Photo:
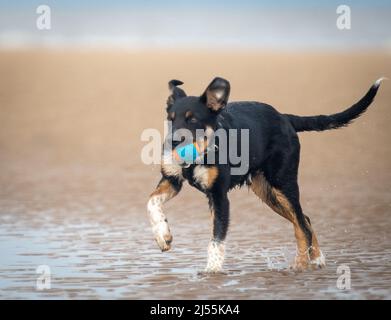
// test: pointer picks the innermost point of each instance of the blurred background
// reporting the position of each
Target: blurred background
(75, 99)
(228, 24)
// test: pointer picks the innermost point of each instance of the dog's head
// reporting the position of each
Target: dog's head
(192, 113)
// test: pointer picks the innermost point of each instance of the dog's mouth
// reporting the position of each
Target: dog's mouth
(188, 149)
(202, 145)
(186, 153)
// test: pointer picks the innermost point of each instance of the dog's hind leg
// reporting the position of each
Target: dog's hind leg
(167, 188)
(286, 203)
(317, 259)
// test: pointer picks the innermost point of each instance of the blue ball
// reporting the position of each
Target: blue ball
(187, 153)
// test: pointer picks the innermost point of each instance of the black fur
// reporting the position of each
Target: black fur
(274, 144)
(335, 121)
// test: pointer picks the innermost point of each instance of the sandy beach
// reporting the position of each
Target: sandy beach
(73, 188)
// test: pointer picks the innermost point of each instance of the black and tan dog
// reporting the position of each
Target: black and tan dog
(274, 153)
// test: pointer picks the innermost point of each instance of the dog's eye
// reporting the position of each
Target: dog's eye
(193, 120)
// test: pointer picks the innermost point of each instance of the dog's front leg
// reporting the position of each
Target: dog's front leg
(167, 188)
(219, 204)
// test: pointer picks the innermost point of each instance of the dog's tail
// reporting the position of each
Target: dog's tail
(337, 120)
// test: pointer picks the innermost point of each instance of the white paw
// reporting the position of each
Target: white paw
(215, 257)
(319, 262)
(300, 263)
(163, 235)
(159, 222)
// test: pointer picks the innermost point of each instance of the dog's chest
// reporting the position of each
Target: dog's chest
(205, 176)
(196, 176)
(200, 176)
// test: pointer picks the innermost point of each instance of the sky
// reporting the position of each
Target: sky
(196, 24)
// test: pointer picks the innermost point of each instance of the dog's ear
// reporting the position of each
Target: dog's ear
(176, 93)
(216, 94)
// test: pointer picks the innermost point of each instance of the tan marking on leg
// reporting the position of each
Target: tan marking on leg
(308, 256)
(274, 198)
(277, 201)
(260, 186)
(164, 187)
(160, 228)
(317, 259)
(302, 251)
(284, 206)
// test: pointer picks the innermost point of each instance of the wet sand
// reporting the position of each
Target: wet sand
(73, 189)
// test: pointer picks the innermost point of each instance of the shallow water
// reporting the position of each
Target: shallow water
(92, 231)
(73, 190)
